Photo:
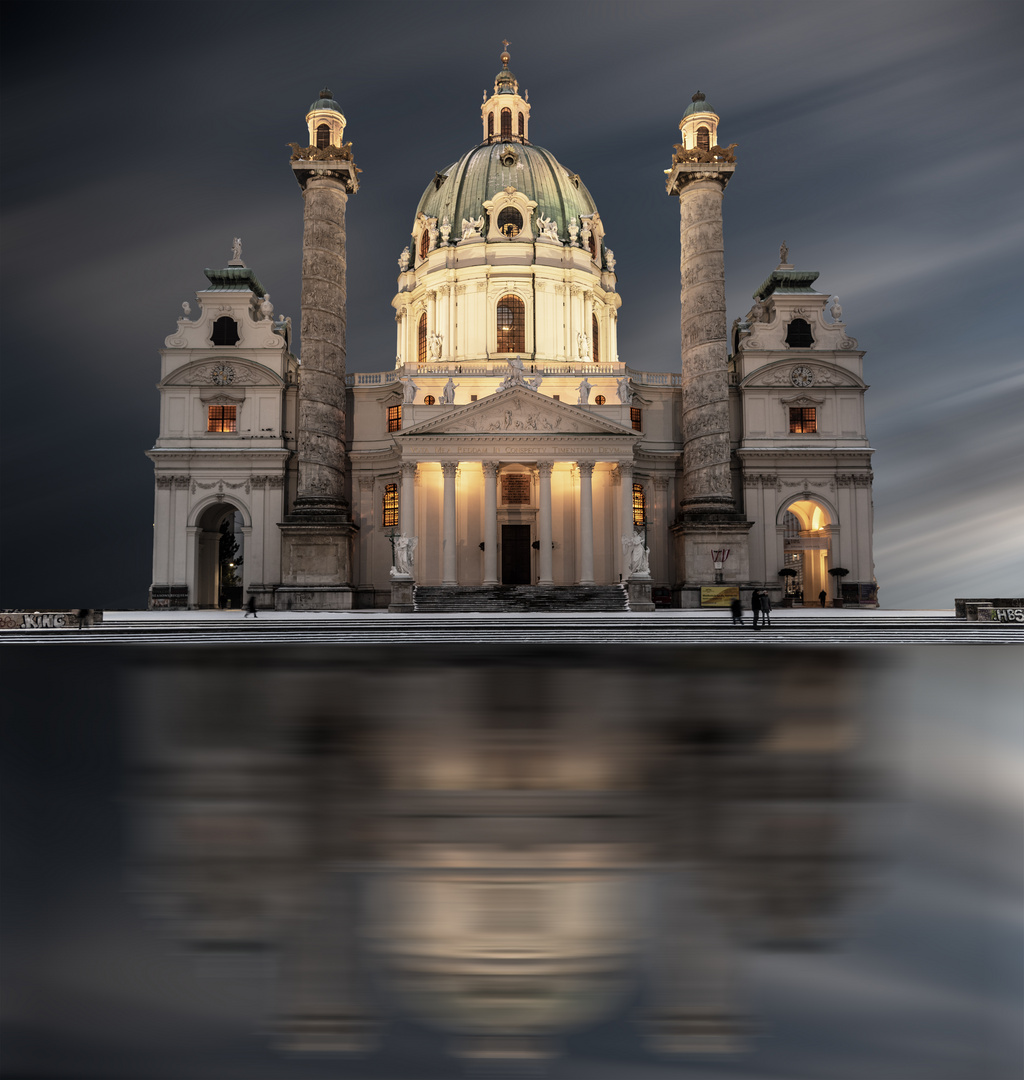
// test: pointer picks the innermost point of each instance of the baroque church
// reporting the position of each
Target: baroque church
(509, 457)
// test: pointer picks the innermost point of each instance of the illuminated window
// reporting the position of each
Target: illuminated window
(225, 331)
(511, 325)
(798, 336)
(636, 418)
(424, 242)
(510, 222)
(703, 139)
(389, 516)
(323, 136)
(490, 125)
(394, 418)
(522, 125)
(639, 505)
(430, 400)
(221, 418)
(600, 399)
(421, 340)
(506, 123)
(596, 339)
(803, 421)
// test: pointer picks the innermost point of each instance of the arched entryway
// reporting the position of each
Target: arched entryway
(220, 554)
(807, 547)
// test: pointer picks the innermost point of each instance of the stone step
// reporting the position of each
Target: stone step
(501, 598)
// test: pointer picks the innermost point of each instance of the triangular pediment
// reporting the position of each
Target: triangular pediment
(518, 411)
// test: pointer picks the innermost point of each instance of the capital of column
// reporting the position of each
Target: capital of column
(586, 468)
(409, 468)
(449, 469)
(545, 467)
(685, 175)
(490, 469)
(366, 483)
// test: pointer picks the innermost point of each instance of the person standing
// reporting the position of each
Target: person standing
(250, 608)
(755, 606)
(766, 608)
(822, 597)
(737, 611)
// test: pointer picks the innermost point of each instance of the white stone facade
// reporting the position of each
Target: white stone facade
(509, 439)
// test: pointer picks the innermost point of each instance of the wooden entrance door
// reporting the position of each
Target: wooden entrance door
(515, 555)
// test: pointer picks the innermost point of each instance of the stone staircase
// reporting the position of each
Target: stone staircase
(502, 598)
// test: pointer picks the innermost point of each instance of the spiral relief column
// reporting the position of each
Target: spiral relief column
(317, 535)
(707, 518)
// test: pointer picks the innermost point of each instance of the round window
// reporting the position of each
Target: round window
(430, 400)
(510, 222)
(600, 399)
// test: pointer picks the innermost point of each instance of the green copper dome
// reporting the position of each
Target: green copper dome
(698, 104)
(490, 168)
(325, 101)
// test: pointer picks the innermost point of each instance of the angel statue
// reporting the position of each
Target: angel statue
(236, 249)
(448, 393)
(585, 389)
(404, 547)
(637, 555)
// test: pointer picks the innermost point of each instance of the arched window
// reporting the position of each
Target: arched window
(225, 331)
(595, 344)
(490, 125)
(424, 242)
(389, 511)
(522, 125)
(798, 336)
(511, 325)
(703, 139)
(421, 339)
(639, 504)
(510, 222)
(323, 136)
(506, 123)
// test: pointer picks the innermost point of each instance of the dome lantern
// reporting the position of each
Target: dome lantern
(699, 125)
(505, 114)
(326, 121)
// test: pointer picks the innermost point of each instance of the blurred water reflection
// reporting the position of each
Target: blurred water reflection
(397, 863)
(506, 846)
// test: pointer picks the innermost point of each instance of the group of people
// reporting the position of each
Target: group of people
(760, 607)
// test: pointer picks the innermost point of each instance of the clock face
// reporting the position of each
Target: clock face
(802, 376)
(222, 374)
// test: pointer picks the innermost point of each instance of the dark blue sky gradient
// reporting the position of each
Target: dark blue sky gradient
(882, 142)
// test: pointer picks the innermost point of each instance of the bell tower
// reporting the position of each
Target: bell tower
(316, 554)
(708, 519)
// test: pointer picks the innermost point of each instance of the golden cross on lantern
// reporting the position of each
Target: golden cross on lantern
(506, 44)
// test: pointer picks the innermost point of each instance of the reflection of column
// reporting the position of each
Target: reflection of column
(407, 504)
(490, 523)
(586, 523)
(449, 541)
(544, 522)
(626, 524)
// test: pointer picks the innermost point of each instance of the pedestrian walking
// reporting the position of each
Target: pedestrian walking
(250, 608)
(822, 597)
(766, 608)
(737, 611)
(755, 606)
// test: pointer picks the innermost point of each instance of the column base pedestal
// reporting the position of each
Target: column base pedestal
(401, 595)
(696, 536)
(316, 563)
(639, 592)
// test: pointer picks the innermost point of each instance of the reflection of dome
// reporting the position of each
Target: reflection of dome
(478, 174)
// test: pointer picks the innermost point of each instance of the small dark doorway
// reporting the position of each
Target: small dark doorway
(515, 555)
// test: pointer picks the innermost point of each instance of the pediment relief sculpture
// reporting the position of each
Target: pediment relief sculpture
(218, 372)
(803, 374)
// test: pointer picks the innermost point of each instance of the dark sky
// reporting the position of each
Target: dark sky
(882, 142)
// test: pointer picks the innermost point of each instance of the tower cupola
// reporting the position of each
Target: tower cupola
(326, 122)
(699, 125)
(505, 114)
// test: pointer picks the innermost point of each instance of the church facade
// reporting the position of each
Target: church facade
(509, 444)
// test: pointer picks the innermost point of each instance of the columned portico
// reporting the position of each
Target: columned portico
(407, 505)
(490, 471)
